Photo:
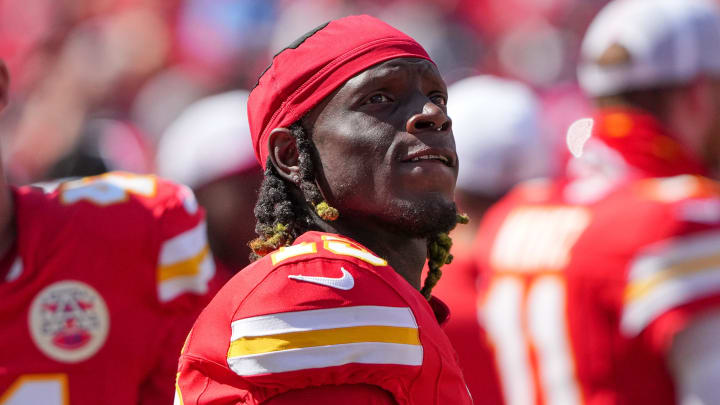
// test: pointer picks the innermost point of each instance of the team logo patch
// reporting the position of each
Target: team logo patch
(69, 321)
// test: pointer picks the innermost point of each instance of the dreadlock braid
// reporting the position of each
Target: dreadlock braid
(280, 219)
(438, 254)
(307, 175)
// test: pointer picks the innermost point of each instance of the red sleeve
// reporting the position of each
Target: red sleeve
(356, 394)
(184, 276)
(670, 282)
(185, 266)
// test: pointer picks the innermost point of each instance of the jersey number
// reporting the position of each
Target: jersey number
(45, 389)
(523, 319)
(526, 303)
(333, 244)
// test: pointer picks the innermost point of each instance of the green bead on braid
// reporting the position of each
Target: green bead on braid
(326, 212)
(272, 239)
(438, 254)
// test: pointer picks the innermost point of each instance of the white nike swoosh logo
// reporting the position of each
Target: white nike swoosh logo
(344, 282)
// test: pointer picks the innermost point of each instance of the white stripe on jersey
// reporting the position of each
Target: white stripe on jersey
(184, 246)
(328, 318)
(15, 270)
(668, 274)
(327, 356)
(185, 265)
(198, 283)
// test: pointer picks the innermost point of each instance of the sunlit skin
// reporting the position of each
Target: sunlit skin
(7, 229)
(366, 133)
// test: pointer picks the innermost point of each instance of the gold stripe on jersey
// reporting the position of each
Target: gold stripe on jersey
(668, 274)
(189, 267)
(324, 337)
(185, 264)
(640, 288)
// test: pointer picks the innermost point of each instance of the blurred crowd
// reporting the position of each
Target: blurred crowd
(161, 86)
(96, 83)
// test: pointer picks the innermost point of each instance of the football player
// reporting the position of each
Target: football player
(500, 142)
(100, 281)
(350, 125)
(604, 285)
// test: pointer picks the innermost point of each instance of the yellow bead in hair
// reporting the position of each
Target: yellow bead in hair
(326, 212)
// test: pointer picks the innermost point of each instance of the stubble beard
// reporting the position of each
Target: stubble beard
(421, 219)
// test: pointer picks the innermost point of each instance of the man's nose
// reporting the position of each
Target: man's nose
(432, 117)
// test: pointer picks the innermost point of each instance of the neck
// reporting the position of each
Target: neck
(405, 255)
(7, 216)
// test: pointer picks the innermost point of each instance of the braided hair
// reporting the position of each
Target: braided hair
(280, 218)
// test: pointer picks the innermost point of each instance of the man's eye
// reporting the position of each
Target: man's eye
(378, 99)
(439, 99)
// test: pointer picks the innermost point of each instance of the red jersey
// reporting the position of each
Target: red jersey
(458, 290)
(324, 311)
(589, 277)
(104, 281)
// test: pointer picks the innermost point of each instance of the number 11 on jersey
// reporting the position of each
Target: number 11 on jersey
(525, 306)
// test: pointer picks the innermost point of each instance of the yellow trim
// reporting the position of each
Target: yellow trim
(287, 252)
(638, 289)
(352, 250)
(185, 343)
(297, 340)
(188, 267)
(177, 389)
(338, 238)
(20, 381)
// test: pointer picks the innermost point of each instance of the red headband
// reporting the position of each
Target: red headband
(309, 70)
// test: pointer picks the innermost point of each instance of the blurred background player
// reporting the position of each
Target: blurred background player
(500, 141)
(350, 125)
(100, 281)
(603, 285)
(208, 148)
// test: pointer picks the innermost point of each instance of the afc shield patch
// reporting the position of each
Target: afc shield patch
(69, 321)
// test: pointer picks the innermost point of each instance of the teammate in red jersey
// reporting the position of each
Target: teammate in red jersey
(350, 125)
(500, 142)
(100, 281)
(603, 285)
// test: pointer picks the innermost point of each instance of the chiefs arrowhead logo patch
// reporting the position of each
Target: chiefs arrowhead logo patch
(69, 321)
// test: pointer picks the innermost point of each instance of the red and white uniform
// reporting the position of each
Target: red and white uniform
(322, 312)
(590, 277)
(104, 281)
(458, 289)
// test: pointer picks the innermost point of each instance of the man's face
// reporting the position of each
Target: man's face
(386, 148)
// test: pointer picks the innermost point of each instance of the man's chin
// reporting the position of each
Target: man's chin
(422, 219)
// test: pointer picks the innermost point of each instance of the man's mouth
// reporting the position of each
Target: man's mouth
(440, 158)
(446, 157)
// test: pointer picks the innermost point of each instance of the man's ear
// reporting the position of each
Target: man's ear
(4, 84)
(284, 155)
